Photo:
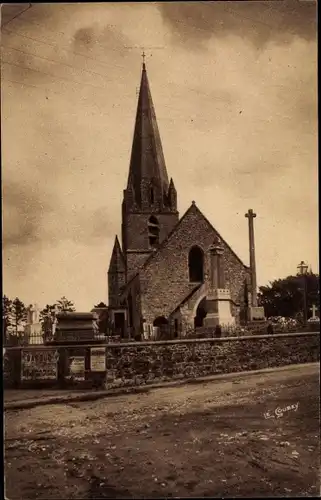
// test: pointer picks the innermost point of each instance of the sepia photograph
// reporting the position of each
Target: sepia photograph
(160, 249)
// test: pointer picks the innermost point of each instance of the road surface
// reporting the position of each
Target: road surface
(253, 435)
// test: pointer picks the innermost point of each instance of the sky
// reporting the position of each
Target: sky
(234, 86)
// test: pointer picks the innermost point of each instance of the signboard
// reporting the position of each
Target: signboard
(39, 364)
(98, 359)
(74, 336)
(77, 367)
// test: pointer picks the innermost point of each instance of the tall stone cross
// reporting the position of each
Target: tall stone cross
(250, 215)
(302, 267)
(314, 310)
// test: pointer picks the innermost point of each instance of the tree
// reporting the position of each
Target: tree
(6, 317)
(48, 315)
(19, 314)
(47, 318)
(47, 312)
(284, 297)
(65, 305)
(62, 305)
(100, 305)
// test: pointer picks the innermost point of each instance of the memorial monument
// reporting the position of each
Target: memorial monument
(255, 313)
(33, 328)
(218, 301)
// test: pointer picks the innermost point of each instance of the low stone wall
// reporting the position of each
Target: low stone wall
(151, 362)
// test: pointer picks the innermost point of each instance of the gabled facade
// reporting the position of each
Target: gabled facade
(166, 271)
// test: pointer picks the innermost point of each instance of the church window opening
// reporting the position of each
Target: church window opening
(196, 265)
(153, 231)
(152, 195)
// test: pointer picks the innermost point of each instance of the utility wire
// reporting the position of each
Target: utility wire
(88, 84)
(29, 85)
(159, 118)
(57, 47)
(100, 74)
(56, 62)
(128, 47)
(16, 16)
(53, 76)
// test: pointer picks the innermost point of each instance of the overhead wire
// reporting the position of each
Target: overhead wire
(56, 62)
(85, 56)
(53, 76)
(88, 71)
(198, 91)
(128, 47)
(55, 46)
(16, 16)
(67, 50)
(159, 118)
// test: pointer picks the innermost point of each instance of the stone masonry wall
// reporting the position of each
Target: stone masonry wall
(165, 278)
(151, 362)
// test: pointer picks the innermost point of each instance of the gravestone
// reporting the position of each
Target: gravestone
(83, 353)
(75, 328)
(314, 310)
(33, 329)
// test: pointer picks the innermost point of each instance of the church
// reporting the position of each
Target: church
(168, 273)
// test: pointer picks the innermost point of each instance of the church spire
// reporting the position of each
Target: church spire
(147, 164)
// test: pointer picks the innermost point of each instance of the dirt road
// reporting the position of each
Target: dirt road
(223, 438)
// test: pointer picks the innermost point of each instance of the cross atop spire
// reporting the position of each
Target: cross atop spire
(143, 56)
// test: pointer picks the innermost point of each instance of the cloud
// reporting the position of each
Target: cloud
(78, 225)
(257, 21)
(106, 36)
(23, 209)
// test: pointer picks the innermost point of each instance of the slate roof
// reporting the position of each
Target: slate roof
(147, 158)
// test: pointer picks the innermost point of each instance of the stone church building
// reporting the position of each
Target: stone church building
(168, 271)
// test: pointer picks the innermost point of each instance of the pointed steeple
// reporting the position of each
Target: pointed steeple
(147, 164)
(149, 208)
(117, 261)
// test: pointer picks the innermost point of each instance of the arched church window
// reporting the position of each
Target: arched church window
(153, 231)
(196, 265)
(152, 195)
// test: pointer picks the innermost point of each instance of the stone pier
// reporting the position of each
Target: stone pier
(218, 301)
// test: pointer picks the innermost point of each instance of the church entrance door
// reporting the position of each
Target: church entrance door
(119, 319)
(201, 313)
(162, 326)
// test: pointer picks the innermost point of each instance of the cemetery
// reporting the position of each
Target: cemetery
(78, 357)
(181, 303)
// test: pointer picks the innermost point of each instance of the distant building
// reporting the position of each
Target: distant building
(168, 272)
